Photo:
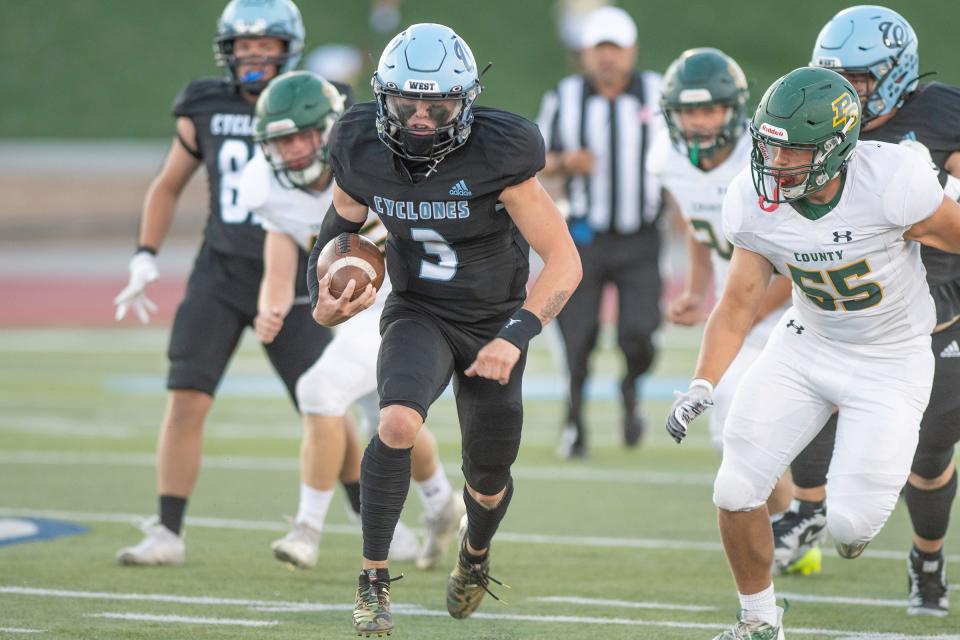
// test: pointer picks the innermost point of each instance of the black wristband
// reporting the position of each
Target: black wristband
(521, 329)
(144, 248)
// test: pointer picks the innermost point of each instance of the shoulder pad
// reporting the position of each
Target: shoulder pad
(203, 95)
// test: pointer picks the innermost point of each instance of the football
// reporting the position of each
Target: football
(348, 257)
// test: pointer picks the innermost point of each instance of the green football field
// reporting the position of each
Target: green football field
(623, 545)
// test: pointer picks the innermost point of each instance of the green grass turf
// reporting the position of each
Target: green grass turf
(99, 69)
(57, 401)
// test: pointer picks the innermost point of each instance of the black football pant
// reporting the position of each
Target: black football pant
(220, 302)
(631, 263)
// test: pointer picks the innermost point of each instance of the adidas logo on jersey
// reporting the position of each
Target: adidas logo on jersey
(952, 350)
(460, 189)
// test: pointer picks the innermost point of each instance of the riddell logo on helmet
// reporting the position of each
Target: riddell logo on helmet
(773, 132)
(421, 86)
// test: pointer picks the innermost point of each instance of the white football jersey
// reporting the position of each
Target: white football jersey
(699, 194)
(296, 212)
(855, 279)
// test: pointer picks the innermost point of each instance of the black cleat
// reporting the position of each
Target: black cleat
(927, 581)
(634, 429)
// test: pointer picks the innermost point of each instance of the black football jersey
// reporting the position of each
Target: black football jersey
(931, 116)
(224, 122)
(451, 247)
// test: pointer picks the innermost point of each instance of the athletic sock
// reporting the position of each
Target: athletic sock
(171, 512)
(760, 606)
(482, 522)
(435, 492)
(805, 507)
(314, 503)
(352, 490)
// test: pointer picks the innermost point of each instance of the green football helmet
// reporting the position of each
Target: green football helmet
(294, 102)
(699, 78)
(810, 109)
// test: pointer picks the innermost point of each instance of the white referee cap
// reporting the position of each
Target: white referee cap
(609, 24)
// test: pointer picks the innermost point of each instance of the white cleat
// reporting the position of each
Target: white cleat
(160, 546)
(441, 528)
(404, 547)
(300, 547)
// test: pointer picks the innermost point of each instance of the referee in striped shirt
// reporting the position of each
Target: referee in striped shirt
(598, 127)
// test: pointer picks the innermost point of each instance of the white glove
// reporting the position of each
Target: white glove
(143, 271)
(694, 402)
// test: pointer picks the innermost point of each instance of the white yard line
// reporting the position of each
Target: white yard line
(601, 542)
(264, 463)
(410, 610)
(858, 602)
(17, 630)
(149, 617)
(621, 604)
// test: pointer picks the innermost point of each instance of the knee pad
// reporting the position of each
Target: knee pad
(733, 491)
(929, 462)
(317, 394)
(847, 528)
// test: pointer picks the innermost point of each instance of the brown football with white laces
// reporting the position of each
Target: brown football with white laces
(348, 257)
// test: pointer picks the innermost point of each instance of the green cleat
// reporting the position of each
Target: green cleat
(468, 582)
(371, 614)
(754, 629)
(809, 563)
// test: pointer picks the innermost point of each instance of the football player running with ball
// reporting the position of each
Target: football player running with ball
(290, 187)
(256, 40)
(857, 337)
(458, 195)
(876, 50)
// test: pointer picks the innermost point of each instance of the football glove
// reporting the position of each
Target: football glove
(143, 271)
(687, 407)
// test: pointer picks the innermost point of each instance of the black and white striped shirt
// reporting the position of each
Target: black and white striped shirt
(621, 196)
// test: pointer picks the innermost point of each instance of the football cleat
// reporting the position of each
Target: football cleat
(469, 581)
(795, 534)
(300, 547)
(634, 429)
(371, 612)
(754, 629)
(160, 546)
(851, 550)
(571, 444)
(809, 563)
(441, 528)
(404, 546)
(927, 581)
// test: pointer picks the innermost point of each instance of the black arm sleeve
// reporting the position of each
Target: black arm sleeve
(333, 225)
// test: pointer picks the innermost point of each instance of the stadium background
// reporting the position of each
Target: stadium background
(624, 543)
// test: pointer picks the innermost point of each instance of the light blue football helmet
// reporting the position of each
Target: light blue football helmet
(425, 62)
(874, 40)
(259, 19)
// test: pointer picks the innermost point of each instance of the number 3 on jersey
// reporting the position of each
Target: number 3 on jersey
(435, 245)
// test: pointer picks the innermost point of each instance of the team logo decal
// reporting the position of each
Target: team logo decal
(845, 108)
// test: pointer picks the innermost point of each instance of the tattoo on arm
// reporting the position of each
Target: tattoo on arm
(554, 305)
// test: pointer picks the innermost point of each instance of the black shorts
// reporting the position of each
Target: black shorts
(220, 302)
(940, 428)
(418, 356)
